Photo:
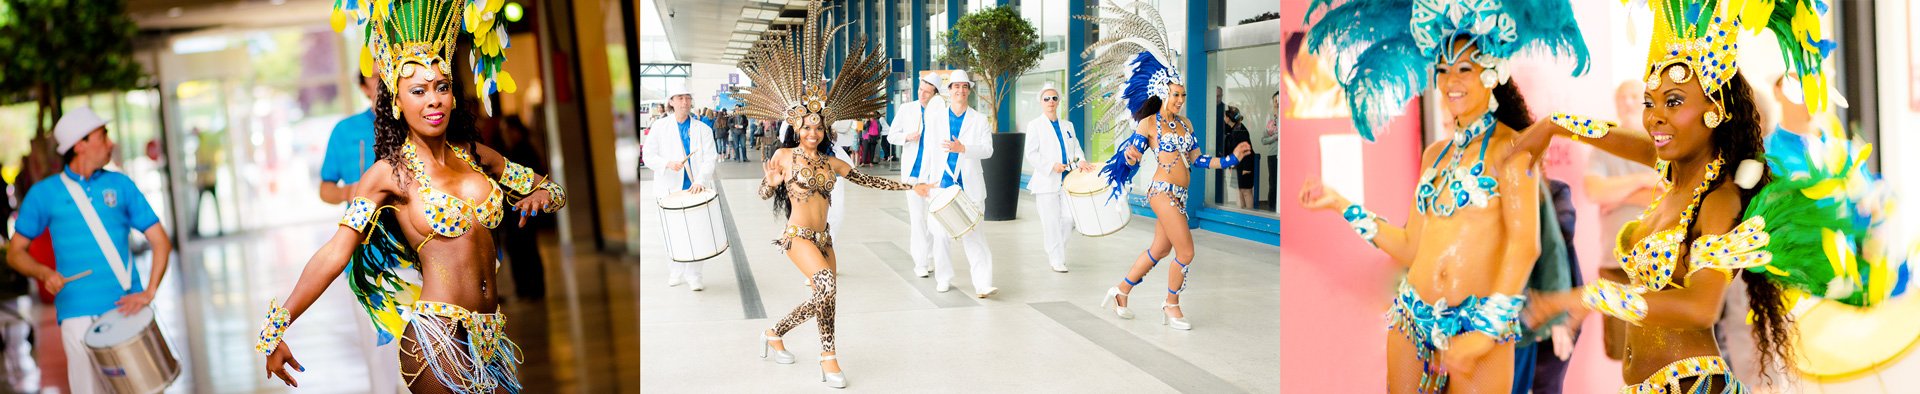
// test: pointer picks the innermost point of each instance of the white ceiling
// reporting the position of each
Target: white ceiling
(720, 31)
(196, 14)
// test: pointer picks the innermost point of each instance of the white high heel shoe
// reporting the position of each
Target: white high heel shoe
(1113, 299)
(780, 356)
(836, 380)
(1177, 323)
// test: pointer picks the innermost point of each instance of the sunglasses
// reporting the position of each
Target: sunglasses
(1050, 98)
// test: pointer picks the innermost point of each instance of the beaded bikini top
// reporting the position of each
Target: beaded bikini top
(1653, 259)
(811, 177)
(450, 215)
(1467, 186)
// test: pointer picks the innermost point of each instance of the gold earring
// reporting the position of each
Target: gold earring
(396, 111)
(1712, 118)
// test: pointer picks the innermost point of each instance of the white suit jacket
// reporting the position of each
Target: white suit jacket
(663, 147)
(1043, 151)
(978, 139)
(907, 120)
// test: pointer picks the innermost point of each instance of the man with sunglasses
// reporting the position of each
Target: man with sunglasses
(1052, 151)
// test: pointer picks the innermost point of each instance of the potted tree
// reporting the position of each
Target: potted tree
(997, 45)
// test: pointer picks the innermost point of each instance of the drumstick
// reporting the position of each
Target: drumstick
(82, 274)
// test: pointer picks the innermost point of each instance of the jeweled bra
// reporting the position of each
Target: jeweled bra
(1467, 186)
(450, 215)
(1651, 262)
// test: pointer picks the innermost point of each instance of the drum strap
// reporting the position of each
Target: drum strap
(1062, 139)
(953, 176)
(920, 146)
(686, 174)
(107, 247)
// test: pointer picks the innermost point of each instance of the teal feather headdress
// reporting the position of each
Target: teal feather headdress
(1386, 49)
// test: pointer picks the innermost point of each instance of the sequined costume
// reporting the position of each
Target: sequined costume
(1429, 325)
(809, 179)
(463, 351)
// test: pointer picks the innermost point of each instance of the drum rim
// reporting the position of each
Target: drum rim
(723, 249)
(949, 201)
(1095, 193)
(656, 202)
(153, 323)
(1832, 373)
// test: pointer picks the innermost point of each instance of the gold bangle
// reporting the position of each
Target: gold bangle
(275, 328)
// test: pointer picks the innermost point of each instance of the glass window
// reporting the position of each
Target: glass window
(1244, 81)
(1026, 97)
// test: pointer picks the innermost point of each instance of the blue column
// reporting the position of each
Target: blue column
(918, 19)
(892, 43)
(954, 8)
(1198, 106)
(1006, 82)
(1076, 42)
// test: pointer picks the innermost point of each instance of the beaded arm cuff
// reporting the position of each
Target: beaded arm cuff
(1497, 316)
(557, 196)
(766, 189)
(275, 328)
(875, 182)
(359, 213)
(1583, 126)
(1737, 249)
(1362, 221)
(1205, 161)
(1615, 300)
(518, 178)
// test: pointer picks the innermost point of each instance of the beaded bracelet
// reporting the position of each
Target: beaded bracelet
(1615, 300)
(1582, 126)
(1362, 221)
(275, 328)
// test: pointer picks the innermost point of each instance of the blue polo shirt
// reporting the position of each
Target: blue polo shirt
(349, 149)
(49, 210)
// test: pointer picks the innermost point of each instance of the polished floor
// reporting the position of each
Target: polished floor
(581, 338)
(1043, 332)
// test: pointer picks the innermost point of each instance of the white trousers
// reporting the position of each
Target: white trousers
(978, 256)
(687, 271)
(1056, 225)
(82, 376)
(383, 361)
(918, 239)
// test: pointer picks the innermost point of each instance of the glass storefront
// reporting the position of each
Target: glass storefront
(1245, 80)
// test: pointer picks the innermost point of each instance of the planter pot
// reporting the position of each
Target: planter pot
(1003, 175)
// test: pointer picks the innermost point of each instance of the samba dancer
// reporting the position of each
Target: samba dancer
(1793, 221)
(1052, 151)
(686, 147)
(1457, 309)
(800, 177)
(963, 139)
(907, 130)
(414, 240)
(1154, 94)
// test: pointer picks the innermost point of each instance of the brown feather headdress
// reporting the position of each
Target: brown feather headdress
(789, 83)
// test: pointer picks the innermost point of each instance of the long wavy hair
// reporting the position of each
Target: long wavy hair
(1739, 138)
(390, 133)
(780, 203)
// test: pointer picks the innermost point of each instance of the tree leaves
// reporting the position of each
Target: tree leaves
(996, 44)
(57, 48)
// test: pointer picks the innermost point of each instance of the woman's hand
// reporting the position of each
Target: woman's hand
(773, 176)
(532, 205)
(1133, 156)
(1243, 150)
(1317, 196)
(1535, 138)
(1464, 351)
(277, 364)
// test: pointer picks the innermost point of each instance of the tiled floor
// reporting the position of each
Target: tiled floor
(1044, 331)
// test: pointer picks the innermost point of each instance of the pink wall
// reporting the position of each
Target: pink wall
(1335, 289)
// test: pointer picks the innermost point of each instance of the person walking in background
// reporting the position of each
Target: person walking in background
(523, 252)
(1245, 176)
(209, 156)
(349, 153)
(89, 211)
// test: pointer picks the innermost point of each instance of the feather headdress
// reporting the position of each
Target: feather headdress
(787, 70)
(1385, 49)
(424, 32)
(1132, 62)
(1704, 35)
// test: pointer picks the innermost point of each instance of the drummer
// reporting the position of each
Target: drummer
(1052, 151)
(683, 150)
(958, 140)
(89, 283)
(909, 122)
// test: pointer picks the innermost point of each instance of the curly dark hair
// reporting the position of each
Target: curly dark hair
(1513, 110)
(1741, 137)
(780, 203)
(390, 133)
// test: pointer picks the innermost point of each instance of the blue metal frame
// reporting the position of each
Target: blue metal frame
(1076, 42)
(920, 37)
(892, 42)
(954, 8)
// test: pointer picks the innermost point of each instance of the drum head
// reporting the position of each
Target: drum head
(114, 328)
(943, 196)
(687, 199)
(1084, 183)
(1838, 341)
